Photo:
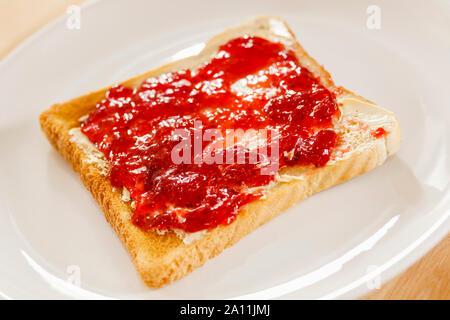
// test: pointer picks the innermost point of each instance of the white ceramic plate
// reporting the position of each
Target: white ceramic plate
(339, 243)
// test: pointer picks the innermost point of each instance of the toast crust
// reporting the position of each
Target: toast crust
(161, 259)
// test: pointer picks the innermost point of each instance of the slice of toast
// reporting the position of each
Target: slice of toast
(161, 258)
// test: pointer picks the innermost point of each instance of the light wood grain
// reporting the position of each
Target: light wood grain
(21, 18)
(429, 278)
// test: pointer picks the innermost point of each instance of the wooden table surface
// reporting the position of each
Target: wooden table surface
(428, 278)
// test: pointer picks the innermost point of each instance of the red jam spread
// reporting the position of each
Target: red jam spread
(134, 128)
(378, 133)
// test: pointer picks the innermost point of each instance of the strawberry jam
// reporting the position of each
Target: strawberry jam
(378, 133)
(250, 83)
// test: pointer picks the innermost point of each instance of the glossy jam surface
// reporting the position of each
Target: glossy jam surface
(251, 83)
